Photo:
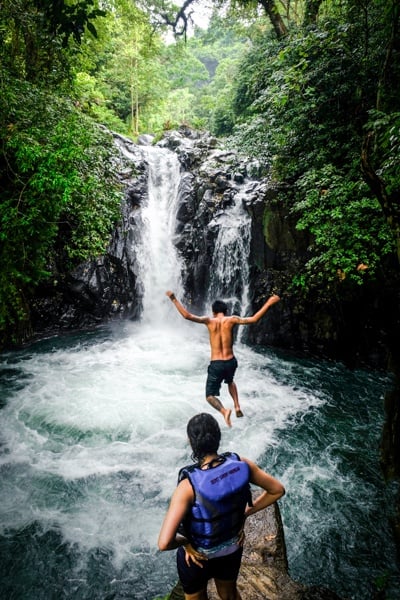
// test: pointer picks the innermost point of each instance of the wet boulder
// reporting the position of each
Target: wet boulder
(264, 570)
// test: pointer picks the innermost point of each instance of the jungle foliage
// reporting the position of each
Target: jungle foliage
(310, 88)
(59, 196)
(305, 104)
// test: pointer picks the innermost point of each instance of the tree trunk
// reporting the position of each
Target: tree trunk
(273, 13)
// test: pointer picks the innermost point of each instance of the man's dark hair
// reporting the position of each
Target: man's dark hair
(219, 306)
(204, 435)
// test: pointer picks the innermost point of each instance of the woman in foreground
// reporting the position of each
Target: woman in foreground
(209, 508)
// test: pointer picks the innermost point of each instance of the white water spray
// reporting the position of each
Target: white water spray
(161, 267)
(93, 427)
(230, 260)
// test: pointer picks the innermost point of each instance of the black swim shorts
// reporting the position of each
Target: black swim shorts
(194, 578)
(219, 371)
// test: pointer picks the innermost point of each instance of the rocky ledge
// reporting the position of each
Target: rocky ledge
(264, 571)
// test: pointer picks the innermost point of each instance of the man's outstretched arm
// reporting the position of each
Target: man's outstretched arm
(260, 313)
(182, 310)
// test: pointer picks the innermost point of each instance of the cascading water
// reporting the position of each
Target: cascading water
(230, 261)
(160, 266)
(93, 433)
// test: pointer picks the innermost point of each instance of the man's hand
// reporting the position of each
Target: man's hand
(170, 295)
(274, 297)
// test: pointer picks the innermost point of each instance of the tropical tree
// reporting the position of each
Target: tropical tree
(35, 36)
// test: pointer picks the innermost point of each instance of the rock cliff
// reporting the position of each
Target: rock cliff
(264, 570)
(342, 324)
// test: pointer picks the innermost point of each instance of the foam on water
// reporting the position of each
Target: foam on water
(93, 433)
(95, 439)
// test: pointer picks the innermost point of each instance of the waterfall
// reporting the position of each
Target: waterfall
(93, 433)
(160, 267)
(229, 272)
(229, 277)
(151, 230)
(160, 264)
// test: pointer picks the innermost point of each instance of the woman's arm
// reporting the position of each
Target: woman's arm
(168, 539)
(181, 501)
(273, 489)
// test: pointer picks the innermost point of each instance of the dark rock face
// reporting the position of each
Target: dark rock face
(211, 181)
(107, 287)
(339, 324)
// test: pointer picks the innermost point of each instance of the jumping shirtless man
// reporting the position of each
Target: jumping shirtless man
(223, 362)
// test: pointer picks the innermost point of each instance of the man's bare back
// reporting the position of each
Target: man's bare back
(220, 329)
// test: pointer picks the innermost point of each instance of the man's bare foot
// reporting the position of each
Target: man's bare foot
(227, 416)
(239, 413)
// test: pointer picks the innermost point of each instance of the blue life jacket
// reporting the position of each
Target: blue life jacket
(220, 497)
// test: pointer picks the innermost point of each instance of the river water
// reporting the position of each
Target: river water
(92, 435)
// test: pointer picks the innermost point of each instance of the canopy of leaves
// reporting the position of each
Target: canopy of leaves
(139, 82)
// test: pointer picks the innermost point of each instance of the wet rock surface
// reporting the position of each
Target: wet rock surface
(264, 570)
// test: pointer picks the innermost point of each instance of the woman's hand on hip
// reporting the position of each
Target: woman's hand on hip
(193, 555)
